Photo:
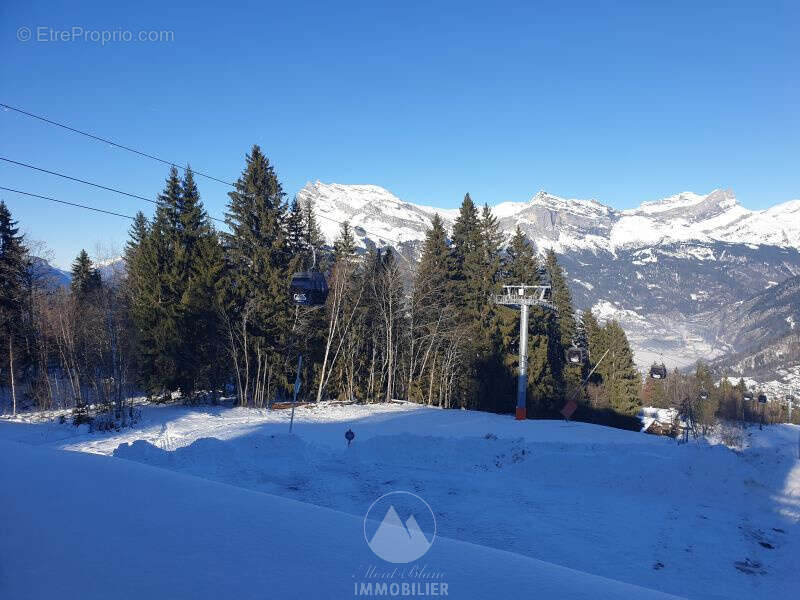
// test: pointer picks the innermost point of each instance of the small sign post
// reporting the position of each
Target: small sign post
(296, 390)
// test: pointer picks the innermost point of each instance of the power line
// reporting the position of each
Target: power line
(97, 185)
(100, 210)
(110, 142)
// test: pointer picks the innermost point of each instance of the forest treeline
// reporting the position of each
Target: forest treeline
(199, 313)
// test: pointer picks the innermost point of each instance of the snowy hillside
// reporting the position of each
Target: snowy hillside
(693, 520)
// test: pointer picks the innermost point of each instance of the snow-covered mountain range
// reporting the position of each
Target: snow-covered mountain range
(566, 224)
(665, 270)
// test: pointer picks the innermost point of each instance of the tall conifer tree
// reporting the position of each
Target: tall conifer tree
(86, 280)
(14, 272)
(257, 273)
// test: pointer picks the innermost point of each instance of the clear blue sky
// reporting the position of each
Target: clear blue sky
(620, 101)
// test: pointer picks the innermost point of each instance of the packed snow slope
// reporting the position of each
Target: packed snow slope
(86, 526)
(695, 520)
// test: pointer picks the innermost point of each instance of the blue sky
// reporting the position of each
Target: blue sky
(619, 101)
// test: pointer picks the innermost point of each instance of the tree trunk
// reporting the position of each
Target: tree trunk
(11, 372)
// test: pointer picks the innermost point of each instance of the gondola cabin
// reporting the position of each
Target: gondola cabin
(308, 288)
(748, 396)
(762, 398)
(575, 356)
(658, 371)
(703, 394)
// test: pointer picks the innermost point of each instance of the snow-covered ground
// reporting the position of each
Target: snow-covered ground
(695, 520)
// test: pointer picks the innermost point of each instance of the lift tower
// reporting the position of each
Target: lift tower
(523, 297)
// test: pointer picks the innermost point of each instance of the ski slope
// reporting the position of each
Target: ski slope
(82, 526)
(696, 520)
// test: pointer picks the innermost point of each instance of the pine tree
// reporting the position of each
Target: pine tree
(621, 377)
(595, 342)
(522, 266)
(137, 237)
(489, 276)
(174, 266)
(344, 247)
(14, 271)
(199, 265)
(562, 299)
(85, 278)
(314, 240)
(157, 316)
(257, 279)
(431, 315)
(465, 250)
(295, 227)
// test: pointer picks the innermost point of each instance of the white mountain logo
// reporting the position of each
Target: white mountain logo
(398, 542)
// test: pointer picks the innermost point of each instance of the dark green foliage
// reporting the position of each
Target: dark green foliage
(562, 299)
(174, 268)
(257, 272)
(13, 271)
(616, 376)
(296, 229)
(14, 287)
(86, 280)
(465, 252)
(344, 248)
(621, 376)
(522, 266)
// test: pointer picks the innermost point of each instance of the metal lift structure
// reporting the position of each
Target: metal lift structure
(523, 297)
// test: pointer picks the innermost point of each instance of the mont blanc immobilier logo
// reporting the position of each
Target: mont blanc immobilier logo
(400, 528)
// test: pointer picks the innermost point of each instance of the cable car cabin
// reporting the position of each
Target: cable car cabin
(702, 394)
(309, 288)
(658, 371)
(762, 398)
(747, 395)
(575, 356)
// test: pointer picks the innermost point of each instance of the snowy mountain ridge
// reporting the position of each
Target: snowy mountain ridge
(565, 223)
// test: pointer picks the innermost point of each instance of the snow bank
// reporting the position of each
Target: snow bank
(82, 526)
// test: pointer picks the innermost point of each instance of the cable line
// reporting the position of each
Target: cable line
(110, 142)
(152, 157)
(97, 185)
(100, 210)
